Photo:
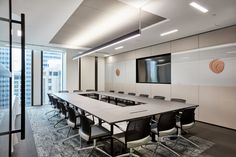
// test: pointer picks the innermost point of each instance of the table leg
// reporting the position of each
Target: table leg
(109, 99)
(111, 149)
(99, 121)
(116, 101)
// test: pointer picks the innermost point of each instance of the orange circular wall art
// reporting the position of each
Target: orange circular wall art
(117, 72)
(217, 66)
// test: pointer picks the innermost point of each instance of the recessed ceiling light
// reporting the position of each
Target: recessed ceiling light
(19, 33)
(199, 7)
(161, 60)
(231, 52)
(106, 55)
(120, 47)
(169, 32)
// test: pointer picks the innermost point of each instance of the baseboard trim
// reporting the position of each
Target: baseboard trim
(216, 125)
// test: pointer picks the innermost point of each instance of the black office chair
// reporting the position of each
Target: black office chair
(144, 95)
(56, 108)
(63, 112)
(165, 127)
(128, 102)
(50, 98)
(159, 97)
(120, 102)
(73, 122)
(132, 94)
(178, 100)
(90, 90)
(137, 134)
(105, 98)
(121, 92)
(90, 132)
(91, 95)
(186, 121)
(63, 91)
(76, 91)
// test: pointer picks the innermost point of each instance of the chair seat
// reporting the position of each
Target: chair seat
(99, 131)
(132, 144)
(185, 126)
(166, 132)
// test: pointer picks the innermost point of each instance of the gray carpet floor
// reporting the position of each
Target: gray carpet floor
(48, 141)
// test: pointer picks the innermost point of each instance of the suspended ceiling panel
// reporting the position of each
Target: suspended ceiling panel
(100, 21)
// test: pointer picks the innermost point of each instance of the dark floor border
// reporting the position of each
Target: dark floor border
(216, 125)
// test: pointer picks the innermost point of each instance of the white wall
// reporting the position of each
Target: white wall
(88, 73)
(72, 72)
(191, 78)
(101, 74)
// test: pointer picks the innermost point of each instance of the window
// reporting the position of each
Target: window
(55, 73)
(16, 68)
(52, 73)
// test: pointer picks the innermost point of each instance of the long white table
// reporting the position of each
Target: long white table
(112, 114)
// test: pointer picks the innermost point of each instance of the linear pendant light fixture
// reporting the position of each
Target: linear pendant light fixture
(118, 40)
(199, 7)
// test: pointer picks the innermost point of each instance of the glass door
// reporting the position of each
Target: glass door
(4, 79)
(12, 31)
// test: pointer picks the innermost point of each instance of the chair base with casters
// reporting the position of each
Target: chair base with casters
(165, 134)
(93, 147)
(71, 126)
(97, 132)
(185, 127)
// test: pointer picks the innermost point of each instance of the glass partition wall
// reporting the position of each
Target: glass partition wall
(8, 113)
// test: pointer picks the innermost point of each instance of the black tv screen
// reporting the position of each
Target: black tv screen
(155, 69)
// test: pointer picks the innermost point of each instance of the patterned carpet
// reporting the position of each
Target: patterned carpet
(48, 143)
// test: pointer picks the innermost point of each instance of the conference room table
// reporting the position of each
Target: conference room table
(112, 114)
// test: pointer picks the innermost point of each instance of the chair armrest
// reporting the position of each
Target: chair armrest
(154, 121)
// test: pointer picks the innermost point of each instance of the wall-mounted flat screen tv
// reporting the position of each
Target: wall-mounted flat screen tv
(155, 69)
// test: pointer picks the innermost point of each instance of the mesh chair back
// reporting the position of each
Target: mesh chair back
(85, 125)
(133, 94)
(137, 129)
(112, 91)
(63, 91)
(187, 116)
(71, 114)
(50, 98)
(63, 108)
(178, 100)
(121, 92)
(55, 102)
(159, 97)
(144, 95)
(90, 90)
(166, 121)
(74, 91)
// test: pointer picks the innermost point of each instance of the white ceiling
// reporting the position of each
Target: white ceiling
(183, 17)
(44, 18)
